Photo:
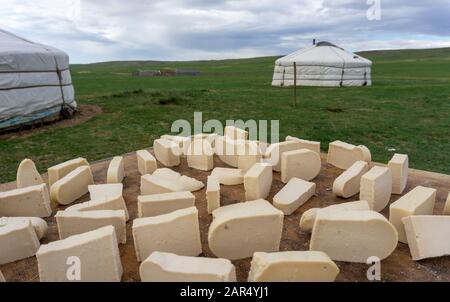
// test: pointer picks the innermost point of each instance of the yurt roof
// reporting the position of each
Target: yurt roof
(324, 54)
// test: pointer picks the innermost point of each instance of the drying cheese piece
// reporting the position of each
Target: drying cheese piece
(176, 232)
(167, 152)
(57, 172)
(305, 144)
(447, 206)
(182, 141)
(227, 150)
(347, 184)
(97, 257)
(418, 201)
(309, 217)
(343, 155)
(212, 194)
(190, 184)
(168, 267)
(146, 162)
(40, 225)
(249, 154)
(292, 266)
(153, 185)
(200, 155)
(167, 174)
(228, 176)
(293, 195)
(303, 163)
(158, 204)
(428, 235)
(239, 230)
(353, 236)
(399, 168)
(72, 186)
(103, 197)
(27, 174)
(275, 151)
(258, 181)
(235, 133)
(18, 240)
(31, 201)
(376, 188)
(75, 222)
(2, 279)
(210, 137)
(115, 172)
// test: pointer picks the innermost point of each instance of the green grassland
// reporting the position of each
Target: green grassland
(406, 109)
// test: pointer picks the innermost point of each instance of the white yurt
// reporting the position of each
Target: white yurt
(322, 64)
(35, 82)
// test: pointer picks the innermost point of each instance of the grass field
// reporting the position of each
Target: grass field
(406, 109)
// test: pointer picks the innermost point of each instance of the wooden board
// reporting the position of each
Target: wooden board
(397, 267)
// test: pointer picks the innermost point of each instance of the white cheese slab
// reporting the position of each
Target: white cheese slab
(33, 201)
(239, 230)
(347, 184)
(77, 222)
(293, 195)
(28, 175)
(58, 171)
(72, 186)
(182, 141)
(168, 267)
(212, 194)
(116, 171)
(40, 225)
(306, 144)
(228, 176)
(18, 240)
(292, 266)
(167, 152)
(376, 187)
(235, 133)
(97, 258)
(343, 155)
(274, 153)
(418, 201)
(258, 181)
(158, 204)
(200, 155)
(177, 232)
(146, 162)
(303, 163)
(399, 167)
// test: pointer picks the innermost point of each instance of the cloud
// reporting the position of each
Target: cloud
(101, 30)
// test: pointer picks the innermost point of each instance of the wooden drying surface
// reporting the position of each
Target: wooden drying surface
(397, 267)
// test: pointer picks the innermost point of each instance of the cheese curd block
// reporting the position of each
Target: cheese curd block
(18, 240)
(103, 197)
(306, 144)
(309, 217)
(146, 162)
(177, 232)
(75, 222)
(304, 164)
(292, 266)
(428, 235)
(2, 279)
(57, 172)
(115, 172)
(28, 175)
(212, 194)
(418, 201)
(250, 155)
(153, 185)
(167, 152)
(200, 155)
(447, 206)
(182, 141)
(258, 181)
(343, 155)
(239, 230)
(376, 188)
(190, 184)
(210, 137)
(168, 267)
(97, 252)
(158, 204)
(399, 169)
(33, 201)
(353, 236)
(228, 150)
(275, 151)
(40, 225)
(235, 133)
(293, 195)
(347, 184)
(228, 176)
(72, 186)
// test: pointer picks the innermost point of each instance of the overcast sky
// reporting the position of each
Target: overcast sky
(104, 30)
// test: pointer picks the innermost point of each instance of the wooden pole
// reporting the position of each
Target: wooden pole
(295, 84)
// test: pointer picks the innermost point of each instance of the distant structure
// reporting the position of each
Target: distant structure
(322, 64)
(35, 83)
(167, 72)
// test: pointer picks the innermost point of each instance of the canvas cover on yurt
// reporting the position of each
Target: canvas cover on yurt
(323, 64)
(35, 81)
